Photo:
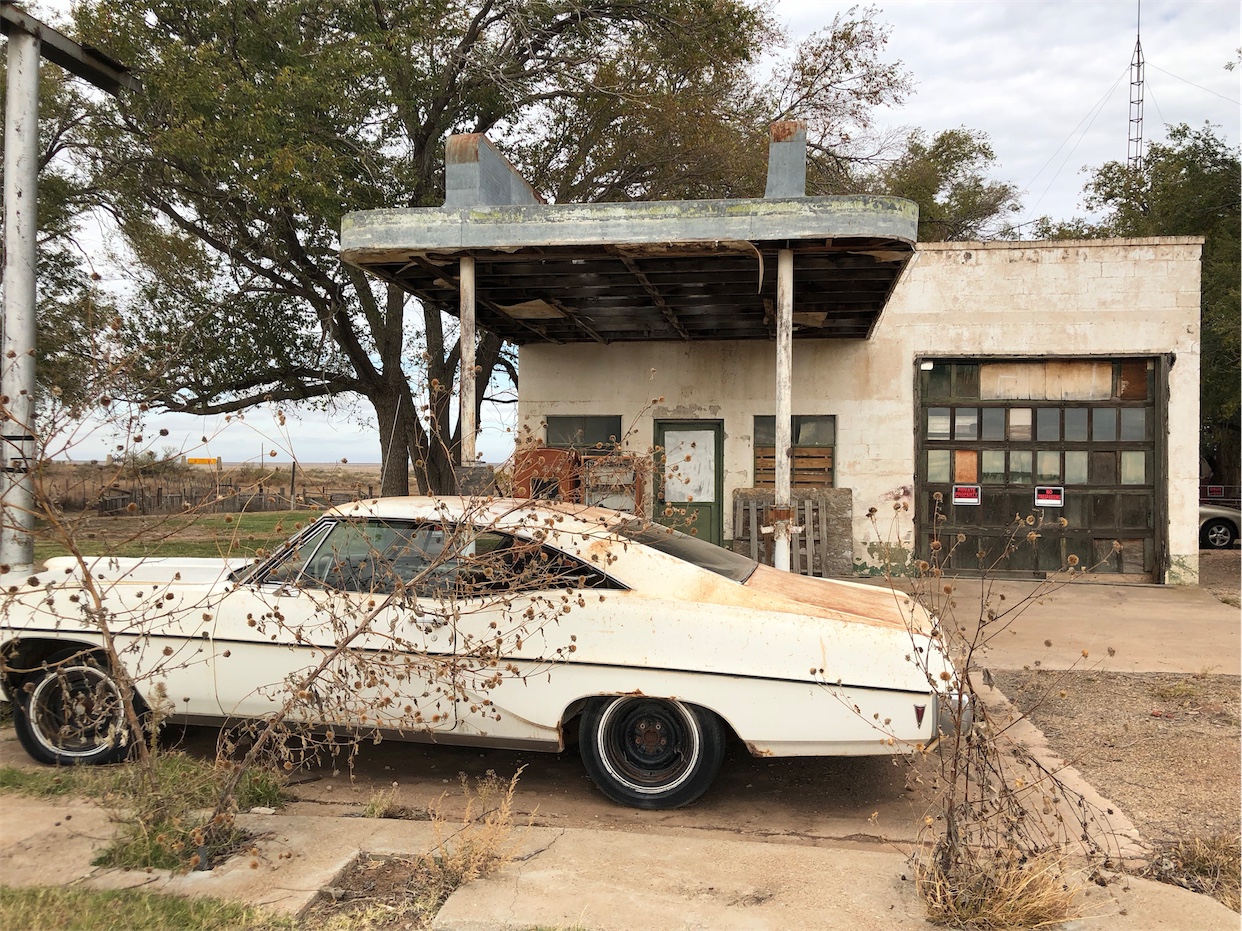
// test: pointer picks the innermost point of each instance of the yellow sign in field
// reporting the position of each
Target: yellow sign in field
(192, 461)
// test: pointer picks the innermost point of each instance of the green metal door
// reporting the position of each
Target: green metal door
(690, 476)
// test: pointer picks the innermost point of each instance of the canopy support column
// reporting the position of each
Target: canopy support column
(782, 512)
(467, 419)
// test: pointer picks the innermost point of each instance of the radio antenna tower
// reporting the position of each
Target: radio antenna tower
(1135, 155)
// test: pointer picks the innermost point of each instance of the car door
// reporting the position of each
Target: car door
(520, 605)
(342, 584)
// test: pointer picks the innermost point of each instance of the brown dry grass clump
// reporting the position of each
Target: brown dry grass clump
(1210, 865)
(997, 892)
(406, 892)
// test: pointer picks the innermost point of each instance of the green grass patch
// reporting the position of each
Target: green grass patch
(194, 781)
(211, 536)
(210, 549)
(53, 783)
(166, 828)
(127, 910)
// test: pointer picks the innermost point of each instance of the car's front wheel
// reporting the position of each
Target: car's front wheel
(650, 753)
(1218, 534)
(70, 712)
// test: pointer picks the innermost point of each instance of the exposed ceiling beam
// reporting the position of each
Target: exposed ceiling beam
(656, 297)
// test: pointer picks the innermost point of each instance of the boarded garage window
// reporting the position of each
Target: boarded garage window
(814, 441)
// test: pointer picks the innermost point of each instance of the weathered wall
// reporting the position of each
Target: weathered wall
(1090, 298)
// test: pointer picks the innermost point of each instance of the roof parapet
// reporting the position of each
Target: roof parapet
(477, 174)
(786, 159)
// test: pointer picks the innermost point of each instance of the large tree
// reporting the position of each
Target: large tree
(947, 176)
(263, 121)
(1188, 185)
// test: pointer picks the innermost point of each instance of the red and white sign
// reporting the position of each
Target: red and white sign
(1049, 496)
(1216, 491)
(966, 494)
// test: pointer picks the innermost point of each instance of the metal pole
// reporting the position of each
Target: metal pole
(17, 344)
(782, 511)
(468, 390)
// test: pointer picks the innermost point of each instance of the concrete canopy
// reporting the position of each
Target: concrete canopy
(666, 270)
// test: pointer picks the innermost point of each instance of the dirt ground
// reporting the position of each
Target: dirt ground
(1219, 574)
(1164, 747)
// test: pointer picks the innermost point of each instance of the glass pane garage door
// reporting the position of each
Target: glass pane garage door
(1027, 467)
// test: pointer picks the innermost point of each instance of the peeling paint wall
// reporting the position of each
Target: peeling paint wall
(1100, 298)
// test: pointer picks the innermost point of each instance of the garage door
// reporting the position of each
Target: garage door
(1025, 467)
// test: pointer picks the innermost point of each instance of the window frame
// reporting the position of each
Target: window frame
(813, 476)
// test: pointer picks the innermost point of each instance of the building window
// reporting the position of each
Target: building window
(586, 433)
(814, 439)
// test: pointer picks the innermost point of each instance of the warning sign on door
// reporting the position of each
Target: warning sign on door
(966, 494)
(1049, 496)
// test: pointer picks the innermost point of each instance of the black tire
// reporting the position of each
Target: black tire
(650, 753)
(70, 712)
(1217, 534)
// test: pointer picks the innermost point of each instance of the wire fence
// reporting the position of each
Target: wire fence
(145, 497)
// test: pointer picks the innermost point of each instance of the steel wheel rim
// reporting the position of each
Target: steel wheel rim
(650, 747)
(76, 712)
(1219, 535)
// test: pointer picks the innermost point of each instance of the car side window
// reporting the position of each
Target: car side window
(436, 560)
(492, 562)
(358, 556)
(293, 561)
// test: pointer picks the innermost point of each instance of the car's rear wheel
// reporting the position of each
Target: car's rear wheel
(650, 753)
(1218, 534)
(71, 712)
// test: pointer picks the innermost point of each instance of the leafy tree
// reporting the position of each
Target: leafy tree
(263, 122)
(947, 177)
(1188, 185)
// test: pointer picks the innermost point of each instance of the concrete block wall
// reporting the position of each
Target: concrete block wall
(1099, 298)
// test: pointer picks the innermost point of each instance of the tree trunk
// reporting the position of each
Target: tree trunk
(392, 408)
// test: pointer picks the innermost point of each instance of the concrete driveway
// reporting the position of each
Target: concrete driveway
(1151, 628)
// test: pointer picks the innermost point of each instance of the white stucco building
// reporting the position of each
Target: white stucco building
(994, 368)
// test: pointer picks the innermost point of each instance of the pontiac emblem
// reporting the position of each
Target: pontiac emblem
(918, 714)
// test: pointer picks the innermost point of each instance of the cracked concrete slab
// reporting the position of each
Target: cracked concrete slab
(596, 880)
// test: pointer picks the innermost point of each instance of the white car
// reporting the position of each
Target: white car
(500, 624)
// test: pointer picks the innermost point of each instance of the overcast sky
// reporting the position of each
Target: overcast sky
(1047, 80)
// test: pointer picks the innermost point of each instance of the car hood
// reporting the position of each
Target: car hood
(144, 570)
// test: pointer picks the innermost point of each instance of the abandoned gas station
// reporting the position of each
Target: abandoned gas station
(806, 382)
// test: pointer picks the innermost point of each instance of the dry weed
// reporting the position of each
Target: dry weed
(384, 804)
(1210, 865)
(480, 841)
(999, 891)
(407, 892)
(1179, 691)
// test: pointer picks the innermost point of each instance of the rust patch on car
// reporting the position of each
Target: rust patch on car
(755, 751)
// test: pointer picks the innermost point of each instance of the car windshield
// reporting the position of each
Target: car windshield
(705, 555)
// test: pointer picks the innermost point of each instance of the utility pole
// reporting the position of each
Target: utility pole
(29, 40)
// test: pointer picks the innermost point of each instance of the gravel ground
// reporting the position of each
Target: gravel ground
(1164, 747)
